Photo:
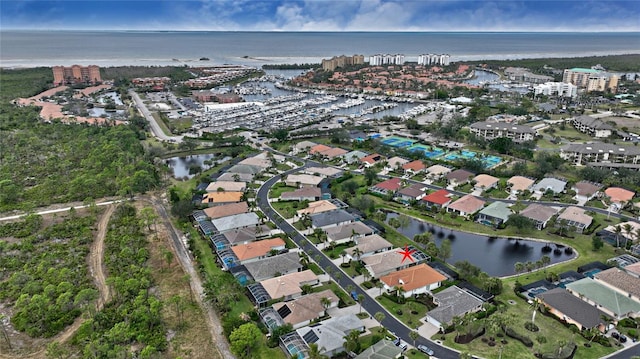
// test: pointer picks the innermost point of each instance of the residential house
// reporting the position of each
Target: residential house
(371, 160)
(303, 180)
(539, 214)
(619, 195)
(251, 170)
(598, 154)
(494, 214)
(633, 269)
(302, 194)
(329, 334)
(218, 198)
(225, 210)
(519, 184)
(466, 205)
(592, 126)
(367, 246)
(348, 232)
(242, 220)
(484, 182)
(303, 146)
(492, 130)
(327, 172)
(331, 219)
(585, 191)
(285, 287)
(261, 161)
(233, 238)
(438, 199)
(333, 153)
(254, 251)
(232, 176)
(436, 172)
(226, 186)
(395, 163)
(389, 186)
(412, 193)
(301, 311)
(458, 177)
(452, 302)
(354, 156)
(384, 349)
(320, 206)
(383, 263)
(413, 167)
(575, 217)
(572, 310)
(274, 266)
(610, 301)
(620, 281)
(549, 184)
(419, 279)
(318, 149)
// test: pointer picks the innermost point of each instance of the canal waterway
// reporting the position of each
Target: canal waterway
(495, 255)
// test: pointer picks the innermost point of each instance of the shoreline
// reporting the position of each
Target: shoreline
(257, 60)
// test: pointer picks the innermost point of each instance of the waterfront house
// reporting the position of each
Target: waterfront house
(458, 177)
(466, 206)
(329, 219)
(575, 217)
(438, 199)
(225, 210)
(348, 232)
(412, 193)
(572, 310)
(413, 167)
(384, 349)
(484, 182)
(389, 186)
(303, 146)
(226, 186)
(419, 279)
(620, 281)
(539, 214)
(519, 184)
(383, 263)
(494, 214)
(367, 246)
(452, 302)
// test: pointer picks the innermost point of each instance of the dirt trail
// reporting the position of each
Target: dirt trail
(96, 269)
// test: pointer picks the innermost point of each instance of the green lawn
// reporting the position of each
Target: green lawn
(278, 189)
(411, 320)
(344, 297)
(286, 209)
(335, 252)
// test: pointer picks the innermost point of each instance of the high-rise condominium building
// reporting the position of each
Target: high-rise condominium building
(76, 74)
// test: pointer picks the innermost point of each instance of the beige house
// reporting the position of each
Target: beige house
(519, 184)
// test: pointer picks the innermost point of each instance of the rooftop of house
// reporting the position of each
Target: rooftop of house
(608, 298)
(318, 149)
(396, 161)
(347, 230)
(220, 186)
(439, 170)
(520, 183)
(305, 308)
(573, 307)
(467, 204)
(453, 302)
(415, 190)
(302, 192)
(576, 214)
(320, 206)
(497, 209)
(323, 171)
(510, 127)
(288, 284)
(269, 267)
(549, 183)
(384, 349)
(304, 179)
(415, 166)
(538, 212)
(440, 197)
(585, 188)
(459, 175)
(485, 181)
(240, 220)
(331, 217)
(619, 195)
(334, 152)
(329, 334)
(369, 244)
(413, 277)
(225, 210)
(257, 249)
(222, 197)
(392, 184)
(620, 279)
(381, 263)
(240, 235)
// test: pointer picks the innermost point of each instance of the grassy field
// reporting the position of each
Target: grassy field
(411, 320)
(285, 209)
(278, 189)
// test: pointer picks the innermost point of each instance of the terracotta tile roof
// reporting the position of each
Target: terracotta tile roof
(485, 181)
(256, 249)
(440, 197)
(414, 166)
(520, 183)
(413, 277)
(222, 197)
(319, 149)
(226, 210)
(618, 195)
(392, 184)
(467, 204)
(371, 159)
(334, 152)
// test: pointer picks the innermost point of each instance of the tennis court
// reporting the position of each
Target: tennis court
(395, 141)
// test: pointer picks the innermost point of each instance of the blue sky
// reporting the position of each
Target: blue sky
(323, 15)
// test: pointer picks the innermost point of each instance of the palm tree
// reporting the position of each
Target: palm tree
(628, 231)
(352, 341)
(379, 316)
(360, 300)
(380, 285)
(357, 252)
(315, 353)
(617, 230)
(414, 335)
(343, 254)
(326, 303)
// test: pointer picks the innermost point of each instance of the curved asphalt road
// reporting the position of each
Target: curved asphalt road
(369, 304)
(155, 128)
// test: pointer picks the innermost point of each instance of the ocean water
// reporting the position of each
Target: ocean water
(115, 48)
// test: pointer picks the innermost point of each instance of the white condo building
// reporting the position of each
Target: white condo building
(386, 59)
(434, 59)
(560, 89)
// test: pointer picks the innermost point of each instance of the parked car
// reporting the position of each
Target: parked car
(615, 335)
(354, 295)
(425, 349)
(623, 338)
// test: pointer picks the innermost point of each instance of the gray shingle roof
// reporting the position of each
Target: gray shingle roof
(269, 267)
(573, 307)
(331, 217)
(236, 221)
(453, 302)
